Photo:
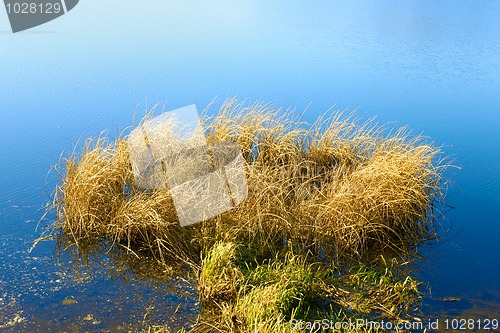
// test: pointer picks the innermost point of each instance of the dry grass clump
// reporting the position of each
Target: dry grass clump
(97, 200)
(92, 188)
(339, 190)
(383, 203)
(338, 187)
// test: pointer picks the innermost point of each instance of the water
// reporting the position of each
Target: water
(434, 65)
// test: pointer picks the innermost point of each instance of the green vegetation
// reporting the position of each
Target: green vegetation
(294, 289)
(334, 211)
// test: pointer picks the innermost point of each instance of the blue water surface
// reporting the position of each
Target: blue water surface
(432, 65)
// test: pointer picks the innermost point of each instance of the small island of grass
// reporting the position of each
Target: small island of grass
(335, 213)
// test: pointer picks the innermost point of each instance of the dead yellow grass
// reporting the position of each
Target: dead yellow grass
(339, 188)
(320, 196)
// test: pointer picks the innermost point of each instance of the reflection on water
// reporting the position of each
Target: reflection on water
(477, 313)
(96, 288)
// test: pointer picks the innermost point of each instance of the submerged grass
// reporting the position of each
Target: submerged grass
(337, 191)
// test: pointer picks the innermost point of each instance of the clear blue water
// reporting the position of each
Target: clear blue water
(433, 65)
